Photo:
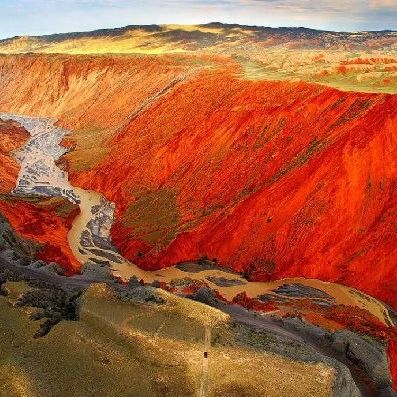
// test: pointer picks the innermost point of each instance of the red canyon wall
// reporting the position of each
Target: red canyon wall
(270, 178)
(12, 137)
(46, 222)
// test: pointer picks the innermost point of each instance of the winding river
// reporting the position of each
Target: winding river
(89, 237)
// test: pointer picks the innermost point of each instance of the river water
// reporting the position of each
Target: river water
(89, 237)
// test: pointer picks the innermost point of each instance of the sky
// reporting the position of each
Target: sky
(36, 17)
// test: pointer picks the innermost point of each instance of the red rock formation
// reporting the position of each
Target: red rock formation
(87, 93)
(272, 179)
(43, 223)
(37, 222)
(12, 137)
(243, 300)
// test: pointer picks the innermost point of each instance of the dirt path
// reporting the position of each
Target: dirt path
(203, 392)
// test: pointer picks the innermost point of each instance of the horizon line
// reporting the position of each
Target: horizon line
(200, 24)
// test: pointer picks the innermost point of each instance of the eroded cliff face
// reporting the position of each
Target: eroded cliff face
(44, 222)
(12, 137)
(91, 95)
(47, 223)
(272, 179)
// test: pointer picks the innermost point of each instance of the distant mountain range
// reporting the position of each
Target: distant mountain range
(292, 31)
(216, 33)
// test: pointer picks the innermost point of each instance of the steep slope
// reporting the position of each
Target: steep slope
(272, 179)
(12, 137)
(90, 95)
(86, 92)
(46, 222)
(269, 178)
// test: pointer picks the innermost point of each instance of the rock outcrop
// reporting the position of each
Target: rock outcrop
(46, 222)
(12, 137)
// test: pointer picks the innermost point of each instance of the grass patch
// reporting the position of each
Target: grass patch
(154, 217)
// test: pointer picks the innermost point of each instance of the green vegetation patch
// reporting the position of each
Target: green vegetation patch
(154, 217)
(91, 148)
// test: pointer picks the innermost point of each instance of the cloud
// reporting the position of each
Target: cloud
(378, 4)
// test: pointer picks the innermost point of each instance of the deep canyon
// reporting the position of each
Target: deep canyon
(149, 163)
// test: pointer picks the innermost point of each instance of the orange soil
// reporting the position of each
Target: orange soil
(12, 137)
(85, 92)
(274, 179)
(368, 61)
(43, 225)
